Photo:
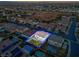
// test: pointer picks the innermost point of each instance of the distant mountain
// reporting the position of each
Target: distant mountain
(37, 2)
(24, 3)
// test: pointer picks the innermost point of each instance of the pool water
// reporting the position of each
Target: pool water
(39, 54)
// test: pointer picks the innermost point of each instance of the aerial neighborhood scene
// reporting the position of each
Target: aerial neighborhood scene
(39, 29)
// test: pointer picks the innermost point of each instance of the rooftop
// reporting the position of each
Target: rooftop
(45, 16)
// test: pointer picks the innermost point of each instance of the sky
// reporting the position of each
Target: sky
(39, 0)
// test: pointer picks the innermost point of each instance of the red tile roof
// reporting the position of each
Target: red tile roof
(45, 16)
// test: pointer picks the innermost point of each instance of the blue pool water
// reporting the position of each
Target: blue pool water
(40, 54)
(28, 48)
